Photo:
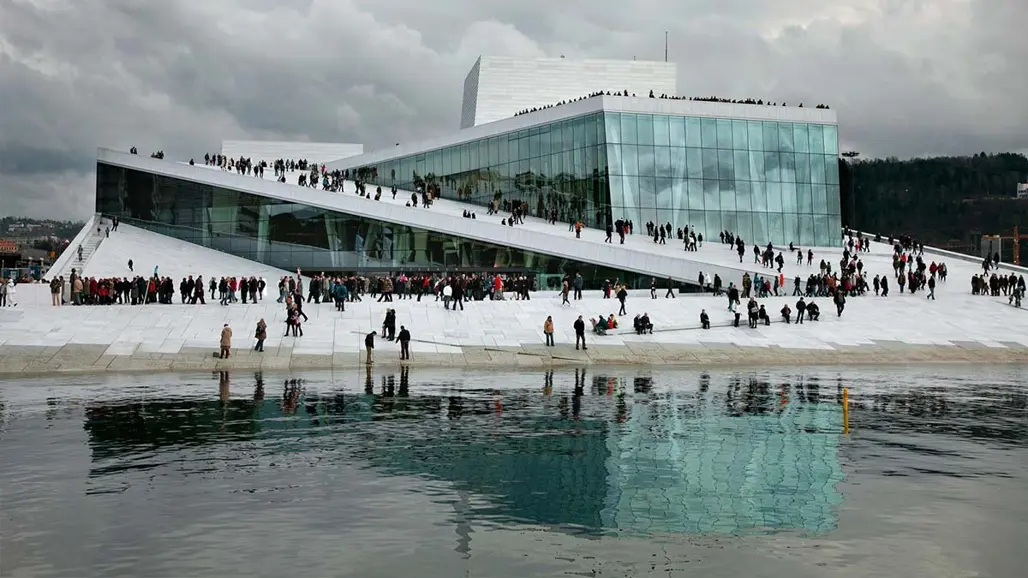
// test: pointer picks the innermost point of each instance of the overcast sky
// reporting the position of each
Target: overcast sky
(907, 77)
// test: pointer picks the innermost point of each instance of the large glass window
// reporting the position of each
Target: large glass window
(677, 160)
(645, 126)
(694, 162)
(800, 139)
(708, 131)
(693, 132)
(831, 136)
(817, 139)
(724, 133)
(740, 136)
(785, 137)
(677, 128)
(612, 122)
(755, 132)
(770, 136)
(629, 132)
(661, 130)
(726, 165)
(709, 164)
(662, 161)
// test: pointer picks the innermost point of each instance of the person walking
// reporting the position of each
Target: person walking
(260, 335)
(404, 339)
(226, 341)
(548, 330)
(580, 333)
(369, 347)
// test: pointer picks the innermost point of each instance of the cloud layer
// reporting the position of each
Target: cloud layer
(907, 77)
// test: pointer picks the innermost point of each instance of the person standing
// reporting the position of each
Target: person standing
(369, 346)
(404, 339)
(622, 295)
(548, 330)
(226, 341)
(260, 335)
(580, 332)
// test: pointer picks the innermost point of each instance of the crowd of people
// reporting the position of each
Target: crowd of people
(752, 101)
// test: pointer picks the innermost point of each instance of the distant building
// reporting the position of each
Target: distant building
(1022, 190)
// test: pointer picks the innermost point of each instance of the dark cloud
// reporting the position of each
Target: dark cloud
(907, 77)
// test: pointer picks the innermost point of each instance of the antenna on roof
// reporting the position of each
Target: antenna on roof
(665, 46)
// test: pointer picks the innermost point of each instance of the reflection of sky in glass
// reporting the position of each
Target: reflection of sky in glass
(718, 473)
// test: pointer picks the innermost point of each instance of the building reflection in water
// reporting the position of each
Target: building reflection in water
(717, 454)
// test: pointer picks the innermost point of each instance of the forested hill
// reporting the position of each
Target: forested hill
(937, 199)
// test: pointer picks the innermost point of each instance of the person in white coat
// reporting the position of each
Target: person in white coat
(10, 293)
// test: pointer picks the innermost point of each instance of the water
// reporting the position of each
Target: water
(619, 472)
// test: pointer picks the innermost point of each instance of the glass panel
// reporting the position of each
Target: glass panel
(817, 139)
(792, 226)
(802, 168)
(756, 135)
(475, 161)
(820, 199)
(567, 136)
(759, 197)
(512, 148)
(806, 232)
(804, 199)
(788, 167)
(645, 127)
(677, 161)
(833, 199)
(692, 132)
(557, 138)
(694, 162)
(831, 170)
(799, 134)
(776, 229)
(740, 138)
(646, 161)
(743, 196)
(756, 165)
(629, 133)
(774, 197)
(630, 160)
(772, 169)
(728, 223)
(695, 192)
(724, 133)
(711, 224)
(770, 136)
(711, 195)
(789, 198)
(831, 134)
(612, 122)
(617, 199)
(664, 201)
(742, 165)
(661, 131)
(589, 126)
(726, 165)
(544, 141)
(744, 227)
(631, 208)
(760, 229)
(709, 164)
(726, 194)
(817, 169)
(680, 200)
(662, 161)
(821, 235)
(614, 160)
(708, 130)
(494, 151)
(648, 197)
(785, 137)
(677, 125)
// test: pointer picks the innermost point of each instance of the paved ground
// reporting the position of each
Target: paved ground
(35, 337)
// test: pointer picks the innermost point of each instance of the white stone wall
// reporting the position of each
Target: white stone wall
(319, 152)
(507, 85)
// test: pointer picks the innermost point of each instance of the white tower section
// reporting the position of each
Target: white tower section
(497, 87)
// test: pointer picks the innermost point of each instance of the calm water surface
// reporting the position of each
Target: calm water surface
(618, 472)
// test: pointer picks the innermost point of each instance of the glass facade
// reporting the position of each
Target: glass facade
(291, 235)
(763, 180)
